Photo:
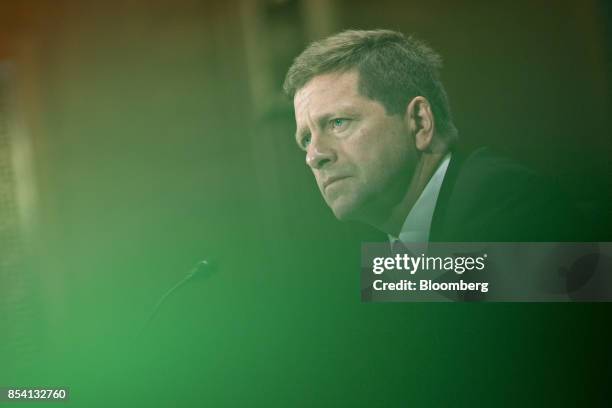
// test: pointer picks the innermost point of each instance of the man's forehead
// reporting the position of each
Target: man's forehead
(327, 87)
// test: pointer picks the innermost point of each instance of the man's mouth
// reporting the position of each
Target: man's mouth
(331, 180)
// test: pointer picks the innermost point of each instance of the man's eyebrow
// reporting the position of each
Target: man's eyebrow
(299, 133)
(340, 110)
(321, 121)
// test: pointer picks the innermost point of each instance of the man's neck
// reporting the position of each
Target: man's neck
(425, 168)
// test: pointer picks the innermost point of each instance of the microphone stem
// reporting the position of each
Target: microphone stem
(163, 298)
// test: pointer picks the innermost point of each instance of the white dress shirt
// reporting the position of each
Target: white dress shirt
(418, 222)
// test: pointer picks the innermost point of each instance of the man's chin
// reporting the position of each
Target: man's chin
(358, 210)
(345, 212)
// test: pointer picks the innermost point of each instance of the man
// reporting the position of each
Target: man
(374, 121)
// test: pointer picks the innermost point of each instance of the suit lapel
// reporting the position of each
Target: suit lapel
(439, 227)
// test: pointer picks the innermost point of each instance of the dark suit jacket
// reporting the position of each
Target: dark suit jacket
(485, 197)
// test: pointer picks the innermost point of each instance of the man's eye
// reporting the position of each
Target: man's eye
(338, 123)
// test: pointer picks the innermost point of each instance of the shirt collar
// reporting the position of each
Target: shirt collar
(418, 222)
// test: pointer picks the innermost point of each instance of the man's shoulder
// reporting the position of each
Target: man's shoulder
(486, 178)
(489, 197)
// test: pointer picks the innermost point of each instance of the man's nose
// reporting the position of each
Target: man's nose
(319, 153)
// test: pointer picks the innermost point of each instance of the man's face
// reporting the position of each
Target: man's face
(362, 159)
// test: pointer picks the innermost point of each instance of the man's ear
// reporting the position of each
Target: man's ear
(420, 121)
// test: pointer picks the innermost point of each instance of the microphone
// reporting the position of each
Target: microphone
(201, 267)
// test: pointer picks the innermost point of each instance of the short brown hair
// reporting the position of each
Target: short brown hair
(393, 69)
